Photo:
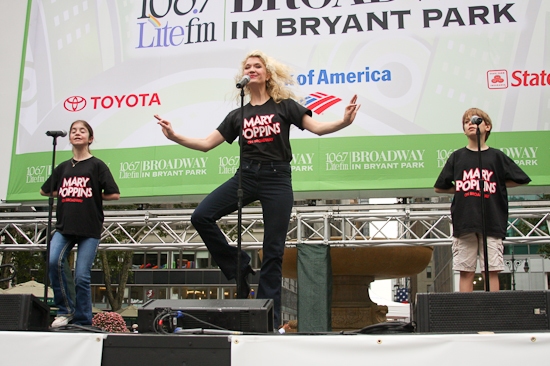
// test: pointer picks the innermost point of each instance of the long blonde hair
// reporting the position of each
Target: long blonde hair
(280, 77)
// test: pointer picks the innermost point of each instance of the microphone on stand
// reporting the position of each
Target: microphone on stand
(243, 82)
(476, 120)
(56, 133)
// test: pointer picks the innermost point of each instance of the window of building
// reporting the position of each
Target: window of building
(202, 260)
(184, 259)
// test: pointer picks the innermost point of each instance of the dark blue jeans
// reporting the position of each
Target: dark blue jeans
(271, 184)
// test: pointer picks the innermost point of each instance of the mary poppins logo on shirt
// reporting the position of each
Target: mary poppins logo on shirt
(74, 189)
(470, 182)
(259, 129)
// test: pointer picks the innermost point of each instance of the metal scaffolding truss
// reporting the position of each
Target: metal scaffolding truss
(426, 224)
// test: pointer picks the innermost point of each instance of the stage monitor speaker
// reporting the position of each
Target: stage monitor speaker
(246, 315)
(503, 311)
(23, 312)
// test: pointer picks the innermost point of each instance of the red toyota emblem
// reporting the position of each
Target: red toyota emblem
(75, 103)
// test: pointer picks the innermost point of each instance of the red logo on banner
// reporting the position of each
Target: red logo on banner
(497, 79)
(75, 103)
(78, 103)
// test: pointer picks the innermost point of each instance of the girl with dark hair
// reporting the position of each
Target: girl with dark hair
(80, 185)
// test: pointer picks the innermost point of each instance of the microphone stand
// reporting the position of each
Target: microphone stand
(49, 227)
(482, 200)
(240, 195)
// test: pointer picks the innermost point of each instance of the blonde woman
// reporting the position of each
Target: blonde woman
(265, 169)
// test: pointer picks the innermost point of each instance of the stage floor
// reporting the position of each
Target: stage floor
(95, 349)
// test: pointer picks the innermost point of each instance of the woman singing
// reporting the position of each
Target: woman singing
(265, 168)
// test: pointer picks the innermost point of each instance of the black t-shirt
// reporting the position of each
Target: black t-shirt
(462, 168)
(79, 200)
(266, 129)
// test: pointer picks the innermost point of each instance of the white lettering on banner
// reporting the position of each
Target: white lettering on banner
(37, 174)
(128, 175)
(381, 166)
(168, 173)
(522, 156)
(171, 164)
(228, 164)
(372, 160)
(162, 168)
(302, 162)
(520, 152)
(386, 156)
(337, 166)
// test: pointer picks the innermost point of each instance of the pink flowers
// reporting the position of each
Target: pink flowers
(110, 322)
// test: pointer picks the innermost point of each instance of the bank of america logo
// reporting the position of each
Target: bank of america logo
(318, 102)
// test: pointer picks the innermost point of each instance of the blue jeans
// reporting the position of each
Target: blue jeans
(60, 248)
(271, 184)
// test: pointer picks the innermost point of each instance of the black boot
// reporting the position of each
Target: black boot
(244, 292)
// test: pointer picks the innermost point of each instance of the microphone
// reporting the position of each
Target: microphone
(56, 133)
(476, 120)
(243, 82)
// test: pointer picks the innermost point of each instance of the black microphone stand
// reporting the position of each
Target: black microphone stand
(482, 200)
(240, 195)
(50, 216)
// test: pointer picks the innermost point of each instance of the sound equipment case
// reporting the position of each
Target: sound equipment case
(246, 315)
(23, 312)
(503, 311)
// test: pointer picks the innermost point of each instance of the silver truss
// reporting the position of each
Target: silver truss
(426, 224)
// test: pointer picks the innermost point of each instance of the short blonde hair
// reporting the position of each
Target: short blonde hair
(478, 112)
(280, 76)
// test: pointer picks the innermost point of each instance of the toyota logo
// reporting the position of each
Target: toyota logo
(75, 103)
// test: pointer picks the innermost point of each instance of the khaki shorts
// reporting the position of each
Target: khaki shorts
(467, 247)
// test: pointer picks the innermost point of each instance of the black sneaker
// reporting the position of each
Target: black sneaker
(244, 284)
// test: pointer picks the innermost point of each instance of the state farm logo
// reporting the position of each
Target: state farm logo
(497, 79)
(75, 103)
(78, 103)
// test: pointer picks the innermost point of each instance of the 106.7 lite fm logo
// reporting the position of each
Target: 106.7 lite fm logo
(160, 168)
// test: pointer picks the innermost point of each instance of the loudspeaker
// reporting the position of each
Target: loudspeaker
(23, 312)
(151, 349)
(503, 311)
(247, 315)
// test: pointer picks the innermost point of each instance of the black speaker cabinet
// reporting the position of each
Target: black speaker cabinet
(23, 312)
(246, 315)
(153, 349)
(503, 311)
